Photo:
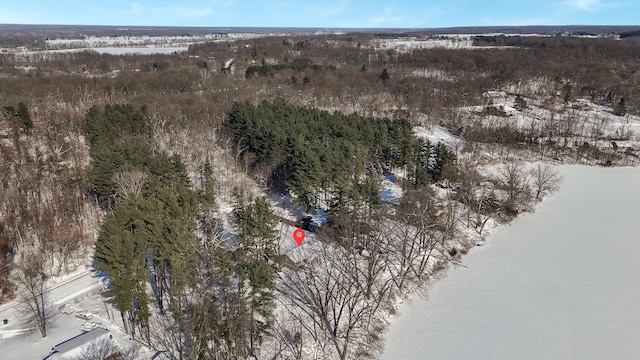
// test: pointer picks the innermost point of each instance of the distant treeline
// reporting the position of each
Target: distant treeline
(265, 69)
(627, 34)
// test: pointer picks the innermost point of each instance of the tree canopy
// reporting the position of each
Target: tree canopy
(309, 151)
(150, 227)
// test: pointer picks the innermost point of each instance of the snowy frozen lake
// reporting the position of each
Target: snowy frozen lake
(561, 283)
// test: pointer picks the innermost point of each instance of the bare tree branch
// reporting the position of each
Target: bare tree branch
(129, 183)
(546, 180)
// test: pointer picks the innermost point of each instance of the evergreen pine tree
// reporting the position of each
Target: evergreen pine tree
(261, 302)
(444, 160)
(621, 108)
(257, 228)
(24, 115)
(121, 252)
(385, 75)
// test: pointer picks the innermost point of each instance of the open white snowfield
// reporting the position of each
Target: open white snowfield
(561, 283)
(448, 41)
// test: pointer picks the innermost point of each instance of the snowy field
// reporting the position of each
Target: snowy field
(150, 50)
(140, 50)
(561, 283)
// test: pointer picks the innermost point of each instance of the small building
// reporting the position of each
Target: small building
(96, 340)
(584, 105)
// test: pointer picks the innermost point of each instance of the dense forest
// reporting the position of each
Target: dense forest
(149, 228)
(179, 178)
(308, 151)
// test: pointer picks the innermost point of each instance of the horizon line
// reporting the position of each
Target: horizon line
(320, 27)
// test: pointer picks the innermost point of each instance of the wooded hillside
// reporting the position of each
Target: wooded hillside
(161, 173)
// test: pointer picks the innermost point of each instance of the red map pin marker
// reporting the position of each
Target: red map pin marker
(298, 236)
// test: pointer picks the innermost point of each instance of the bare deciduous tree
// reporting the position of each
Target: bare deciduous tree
(515, 179)
(485, 205)
(545, 180)
(413, 236)
(31, 284)
(331, 303)
(109, 349)
(129, 183)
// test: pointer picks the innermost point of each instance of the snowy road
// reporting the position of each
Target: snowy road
(79, 291)
(67, 289)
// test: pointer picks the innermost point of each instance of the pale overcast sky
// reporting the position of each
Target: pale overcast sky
(321, 13)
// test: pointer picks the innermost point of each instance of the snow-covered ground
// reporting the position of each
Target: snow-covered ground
(557, 284)
(76, 293)
(438, 134)
(59, 291)
(391, 191)
(141, 50)
(582, 120)
(449, 41)
(127, 45)
(150, 50)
